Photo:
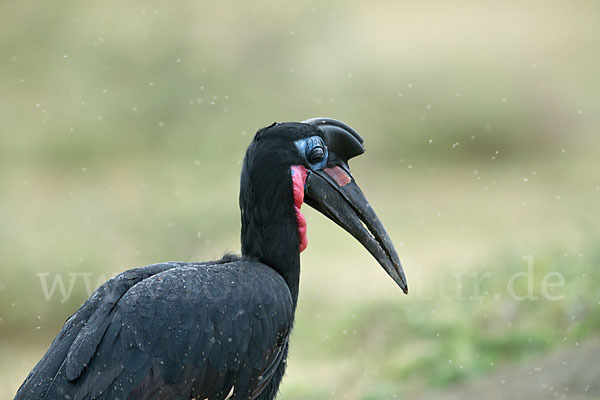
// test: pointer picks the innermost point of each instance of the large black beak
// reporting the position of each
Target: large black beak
(334, 192)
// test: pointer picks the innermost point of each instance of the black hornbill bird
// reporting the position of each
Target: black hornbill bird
(219, 329)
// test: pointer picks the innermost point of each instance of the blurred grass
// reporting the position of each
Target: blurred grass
(444, 334)
(124, 125)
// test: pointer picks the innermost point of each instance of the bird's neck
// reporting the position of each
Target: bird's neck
(269, 225)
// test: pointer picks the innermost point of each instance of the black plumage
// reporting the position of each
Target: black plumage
(210, 330)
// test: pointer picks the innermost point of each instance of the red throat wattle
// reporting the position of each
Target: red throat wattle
(298, 181)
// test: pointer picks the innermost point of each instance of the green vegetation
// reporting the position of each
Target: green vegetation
(124, 125)
(447, 335)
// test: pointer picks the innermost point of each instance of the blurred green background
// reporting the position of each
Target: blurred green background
(123, 126)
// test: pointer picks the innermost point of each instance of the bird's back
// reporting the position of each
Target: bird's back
(171, 330)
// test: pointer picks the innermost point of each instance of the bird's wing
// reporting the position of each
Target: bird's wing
(102, 301)
(271, 371)
(187, 331)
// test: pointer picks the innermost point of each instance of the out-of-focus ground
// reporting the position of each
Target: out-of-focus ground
(571, 373)
(123, 130)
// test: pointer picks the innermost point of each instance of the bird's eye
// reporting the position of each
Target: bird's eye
(316, 154)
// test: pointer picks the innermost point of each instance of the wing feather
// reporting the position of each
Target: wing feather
(173, 329)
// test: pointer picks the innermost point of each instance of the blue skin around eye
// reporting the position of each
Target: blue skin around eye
(306, 145)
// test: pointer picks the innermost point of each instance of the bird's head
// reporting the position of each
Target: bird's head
(313, 156)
